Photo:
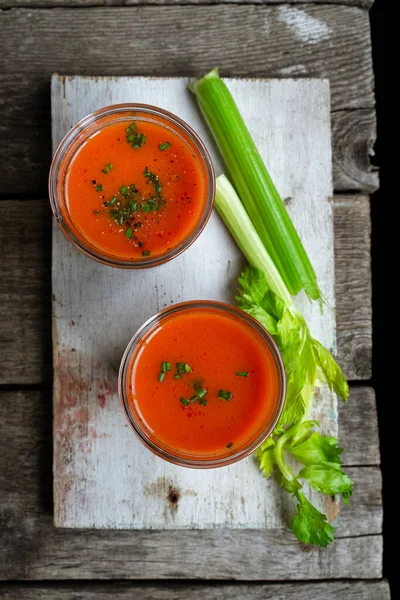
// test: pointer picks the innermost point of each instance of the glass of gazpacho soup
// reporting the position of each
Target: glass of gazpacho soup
(132, 186)
(202, 384)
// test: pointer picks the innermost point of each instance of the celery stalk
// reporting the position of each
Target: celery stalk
(254, 185)
(238, 222)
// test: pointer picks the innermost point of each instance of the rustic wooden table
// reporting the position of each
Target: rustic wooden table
(162, 37)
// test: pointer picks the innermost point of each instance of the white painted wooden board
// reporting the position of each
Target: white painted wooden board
(103, 476)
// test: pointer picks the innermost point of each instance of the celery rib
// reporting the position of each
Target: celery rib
(237, 220)
(254, 185)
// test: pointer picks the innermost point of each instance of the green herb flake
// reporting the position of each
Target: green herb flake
(107, 168)
(99, 187)
(203, 401)
(129, 233)
(132, 127)
(177, 376)
(123, 190)
(138, 140)
(161, 377)
(193, 398)
(184, 401)
(183, 368)
(146, 253)
(165, 366)
(229, 445)
(200, 391)
(164, 146)
(224, 395)
(242, 373)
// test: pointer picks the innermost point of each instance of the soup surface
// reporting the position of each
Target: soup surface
(135, 189)
(203, 382)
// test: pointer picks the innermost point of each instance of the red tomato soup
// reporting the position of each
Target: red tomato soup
(135, 189)
(203, 382)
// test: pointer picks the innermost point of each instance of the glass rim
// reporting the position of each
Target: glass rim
(213, 461)
(65, 145)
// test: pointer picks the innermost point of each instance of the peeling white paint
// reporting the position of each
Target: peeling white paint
(293, 70)
(306, 28)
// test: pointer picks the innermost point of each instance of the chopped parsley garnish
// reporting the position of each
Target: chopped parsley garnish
(184, 401)
(111, 202)
(99, 187)
(132, 128)
(107, 168)
(132, 137)
(146, 253)
(122, 212)
(151, 205)
(242, 373)
(200, 391)
(161, 377)
(203, 401)
(183, 368)
(224, 395)
(138, 141)
(193, 398)
(177, 376)
(164, 146)
(153, 179)
(229, 445)
(165, 366)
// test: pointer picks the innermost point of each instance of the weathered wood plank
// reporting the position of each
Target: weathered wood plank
(360, 415)
(329, 590)
(353, 284)
(364, 514)
(31, 548)
(90, 3)
(91, 488)
(353, 141)
(25, 291)
(311, 41)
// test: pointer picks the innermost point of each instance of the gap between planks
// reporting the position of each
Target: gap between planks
(329, 590)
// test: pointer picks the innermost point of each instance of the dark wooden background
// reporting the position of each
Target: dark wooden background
(188, 37)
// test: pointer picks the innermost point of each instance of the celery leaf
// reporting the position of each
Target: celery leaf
(331, 370)
(328, 479)
(317, 449)
(309, 525)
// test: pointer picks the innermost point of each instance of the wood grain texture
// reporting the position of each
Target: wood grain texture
(95, 452)
(360, 450)
(31, 548)
(311, 41)
(91, 3)
(31, 363)
(25, 245)
(354, 136)
(329, 590)
(354, 291)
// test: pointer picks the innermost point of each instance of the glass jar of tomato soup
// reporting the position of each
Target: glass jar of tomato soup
(131, 186)
(202, 384)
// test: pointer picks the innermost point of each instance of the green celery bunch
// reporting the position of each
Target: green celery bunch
(254, 185)
(263, 295)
